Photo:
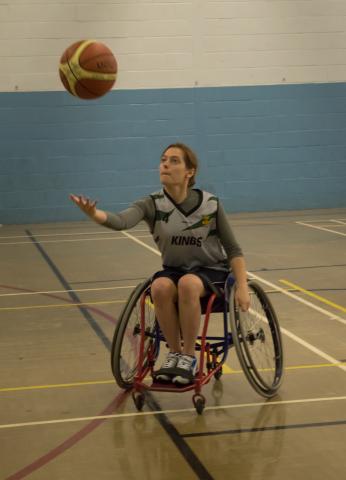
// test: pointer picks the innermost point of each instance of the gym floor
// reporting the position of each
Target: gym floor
(62, 417)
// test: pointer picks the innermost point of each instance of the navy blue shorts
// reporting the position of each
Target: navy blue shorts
(207, 275)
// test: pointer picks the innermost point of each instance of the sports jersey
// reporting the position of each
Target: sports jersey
(188, 239)
(145, 209)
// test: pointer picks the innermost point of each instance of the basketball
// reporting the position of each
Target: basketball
(88, 69)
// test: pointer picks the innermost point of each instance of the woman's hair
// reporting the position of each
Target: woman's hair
(190, 159)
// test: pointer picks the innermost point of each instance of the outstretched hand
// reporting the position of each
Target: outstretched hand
(85, 204)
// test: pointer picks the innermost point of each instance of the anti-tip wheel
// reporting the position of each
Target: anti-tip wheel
(218, 374)
(199, 403)
(138, 399)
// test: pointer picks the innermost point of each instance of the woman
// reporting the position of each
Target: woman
(191, 230)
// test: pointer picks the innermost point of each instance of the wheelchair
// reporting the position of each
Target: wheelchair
(255, 334)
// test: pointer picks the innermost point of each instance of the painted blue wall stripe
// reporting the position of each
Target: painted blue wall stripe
(275, 147)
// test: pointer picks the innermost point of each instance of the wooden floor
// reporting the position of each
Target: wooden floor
(62, 417)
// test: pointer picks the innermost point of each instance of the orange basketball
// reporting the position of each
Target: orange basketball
(88, 69)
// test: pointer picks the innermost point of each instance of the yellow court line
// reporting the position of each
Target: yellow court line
(66, 305)
(227, 371)
(314, 295)
(61, 385)
(315, 365)
(294, 367)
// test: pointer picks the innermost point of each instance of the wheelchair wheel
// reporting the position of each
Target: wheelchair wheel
(257, 339)
(126, 340)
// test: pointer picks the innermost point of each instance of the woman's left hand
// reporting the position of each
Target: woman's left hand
(242, 297)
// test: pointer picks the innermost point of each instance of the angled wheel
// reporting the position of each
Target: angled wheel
(199, 403)
(127, 337)
(218, 374)
(139, 400)
(257, 339)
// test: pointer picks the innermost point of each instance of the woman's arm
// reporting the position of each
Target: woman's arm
(242, 296)
(235, 258)
(142, 209)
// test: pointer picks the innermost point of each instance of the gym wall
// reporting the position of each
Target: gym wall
(257, 88)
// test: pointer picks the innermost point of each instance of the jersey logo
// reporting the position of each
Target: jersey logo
(205, 220)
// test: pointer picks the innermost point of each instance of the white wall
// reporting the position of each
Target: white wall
(177, 43)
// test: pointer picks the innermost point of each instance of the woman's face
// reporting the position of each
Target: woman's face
(173, 170)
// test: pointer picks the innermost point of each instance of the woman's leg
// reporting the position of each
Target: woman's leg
(164, 295)
(190, 290)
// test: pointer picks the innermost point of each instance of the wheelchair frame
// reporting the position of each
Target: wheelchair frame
(213, 350)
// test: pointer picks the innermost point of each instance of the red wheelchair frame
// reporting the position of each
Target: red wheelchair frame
(212, 350)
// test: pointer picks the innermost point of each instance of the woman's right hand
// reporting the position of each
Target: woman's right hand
(85, 204)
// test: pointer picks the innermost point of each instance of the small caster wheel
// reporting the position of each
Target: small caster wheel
(138, 399)
(199, 403)
(218, 374)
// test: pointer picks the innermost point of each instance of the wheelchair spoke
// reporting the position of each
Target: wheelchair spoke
(127, 339)
(258, 342)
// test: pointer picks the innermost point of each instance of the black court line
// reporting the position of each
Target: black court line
(266, 429)
(172, 432)
(199, 469)
(73, 295)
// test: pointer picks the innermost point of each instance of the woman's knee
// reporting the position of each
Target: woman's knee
(190, 288)
(163, 289)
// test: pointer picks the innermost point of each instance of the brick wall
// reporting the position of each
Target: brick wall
(256, 87)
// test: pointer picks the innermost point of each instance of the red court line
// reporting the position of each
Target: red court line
(69, 442)
(93, 309)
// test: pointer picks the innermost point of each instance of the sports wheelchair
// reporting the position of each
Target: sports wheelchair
(255, 334)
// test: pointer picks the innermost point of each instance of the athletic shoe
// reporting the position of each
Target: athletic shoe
(167, 370)
(185, 370)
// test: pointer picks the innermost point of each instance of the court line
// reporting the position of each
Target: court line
(68, 442)
(325, 225)
(331, 315)
(321, 228)
(101, 335)
(72, 240)
(291, 335)
(338, 221)
(69, 234)
(299, 340)
(182, 446)
(135, 239)
(46, 292)
(60, 385)
(91, 309)
(172, 411)
(288, 426)
(314, 295)
(228, 371)
(61, 305)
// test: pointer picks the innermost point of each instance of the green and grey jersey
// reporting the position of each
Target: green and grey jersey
(145, 209)
(188, 239)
